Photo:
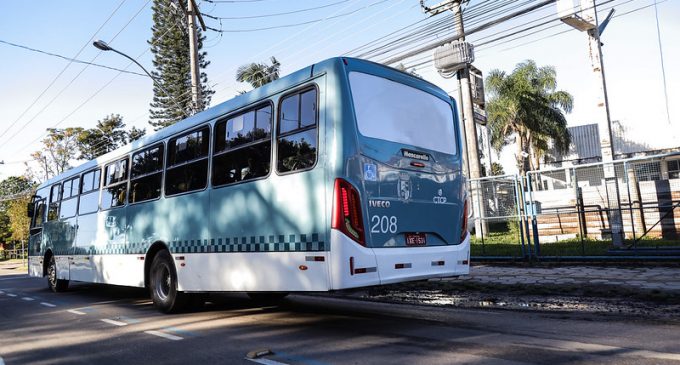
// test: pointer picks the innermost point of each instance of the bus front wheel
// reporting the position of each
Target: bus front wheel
(163, 284)
(56, 285)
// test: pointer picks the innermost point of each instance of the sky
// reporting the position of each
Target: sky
(39, 91)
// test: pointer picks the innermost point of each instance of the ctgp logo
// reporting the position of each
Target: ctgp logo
(439, 199)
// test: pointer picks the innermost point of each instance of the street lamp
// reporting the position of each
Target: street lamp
(100, 44)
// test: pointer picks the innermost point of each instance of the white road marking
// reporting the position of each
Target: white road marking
(115, 323)
(266, 361)
(2, 292)
(164, 335)
(11, 295)
(28, 299)
(76, 312)
(48, 304)
(1, 361)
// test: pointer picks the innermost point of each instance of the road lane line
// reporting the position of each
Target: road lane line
(115, 323)
(164, 335)
(48, 304)
(28, 299)
(76, 312)
(1, 361)
(2, 292)
(11, 295)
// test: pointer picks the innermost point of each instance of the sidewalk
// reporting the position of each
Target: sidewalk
(666, 279)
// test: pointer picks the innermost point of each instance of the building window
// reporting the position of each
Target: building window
(673, 169)
(242, 147)
(146, 174)
(114, 193)
(648, 171)
(89, 192)
(187, 168)
(297, 132)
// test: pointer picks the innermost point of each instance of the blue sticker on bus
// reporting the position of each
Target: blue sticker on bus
(370, 172)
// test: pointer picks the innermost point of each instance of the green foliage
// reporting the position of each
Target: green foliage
(60, 147)
(524, 107)
(16, 193)
(106, 136)
(170, 47)
(258, 74)
(497, 169)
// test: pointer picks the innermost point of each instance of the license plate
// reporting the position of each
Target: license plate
(416, 239)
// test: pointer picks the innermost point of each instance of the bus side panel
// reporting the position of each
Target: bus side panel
(262, 271)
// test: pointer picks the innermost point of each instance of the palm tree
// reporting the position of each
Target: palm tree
(258, 74)
(526, 108)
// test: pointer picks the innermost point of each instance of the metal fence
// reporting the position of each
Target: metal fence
(620, 209)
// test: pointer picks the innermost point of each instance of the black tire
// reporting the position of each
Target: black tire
(268, 298)
(55, 284)
(163, 284)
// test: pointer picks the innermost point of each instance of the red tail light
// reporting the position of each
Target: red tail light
(464, 222)
(347, 211)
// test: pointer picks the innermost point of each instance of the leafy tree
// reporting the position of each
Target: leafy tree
(524, 107)
(170, 47)
(258, 74)
(60, 147)
(15, 192)
(106, 136)
(497, 169)
(135, 134)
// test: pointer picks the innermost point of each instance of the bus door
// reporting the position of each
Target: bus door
(36, 212)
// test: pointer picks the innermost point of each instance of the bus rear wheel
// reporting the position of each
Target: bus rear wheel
(55, 284)
(163, 284)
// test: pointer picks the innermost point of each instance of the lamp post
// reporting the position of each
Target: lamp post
(99, 44)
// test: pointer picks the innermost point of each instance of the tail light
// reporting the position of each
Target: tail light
(347, 211)
(464, 221)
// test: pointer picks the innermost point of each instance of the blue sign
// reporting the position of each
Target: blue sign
(370, 172)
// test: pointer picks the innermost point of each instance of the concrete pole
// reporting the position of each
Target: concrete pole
(470, 130)
(589, 14)
(193, 54)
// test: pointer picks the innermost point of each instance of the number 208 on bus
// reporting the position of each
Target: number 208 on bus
(343, 174)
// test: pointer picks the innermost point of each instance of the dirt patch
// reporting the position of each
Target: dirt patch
(563, 298)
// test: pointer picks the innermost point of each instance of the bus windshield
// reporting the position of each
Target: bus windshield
(395, 112)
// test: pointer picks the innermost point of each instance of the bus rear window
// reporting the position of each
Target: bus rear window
(395, 112)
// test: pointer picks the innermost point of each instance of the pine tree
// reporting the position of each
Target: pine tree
(170, 47)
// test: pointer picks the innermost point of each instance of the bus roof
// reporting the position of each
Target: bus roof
(244, 100)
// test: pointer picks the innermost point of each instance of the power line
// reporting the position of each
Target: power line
(663, 67)
(273, 14)
(74, 60)
(76, 77)
(63, 70)
(296, 24)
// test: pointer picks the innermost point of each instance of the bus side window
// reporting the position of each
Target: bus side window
(115, 184)
(89, 192)
(69, 202)
(55, 198)
(187, 162)
(297, 138)
(242, 147)
(146, 174)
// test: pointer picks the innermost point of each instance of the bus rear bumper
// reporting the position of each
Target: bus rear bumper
(353, 265)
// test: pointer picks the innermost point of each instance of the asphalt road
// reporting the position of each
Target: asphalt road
(95, 324)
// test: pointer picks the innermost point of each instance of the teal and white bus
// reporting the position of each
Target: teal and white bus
(343, 174)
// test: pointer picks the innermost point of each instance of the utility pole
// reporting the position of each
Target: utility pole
(588, 22)
(472, 163)
(192, 13)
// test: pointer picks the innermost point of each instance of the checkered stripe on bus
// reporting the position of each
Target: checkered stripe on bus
(271, 243)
